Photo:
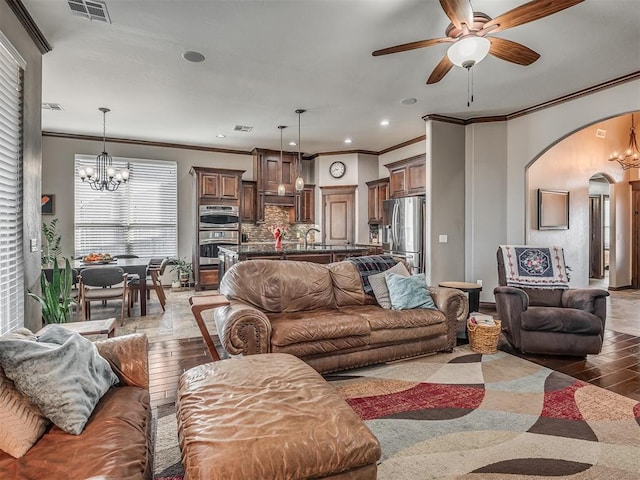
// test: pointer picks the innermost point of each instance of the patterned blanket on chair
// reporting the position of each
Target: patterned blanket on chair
(534, 267)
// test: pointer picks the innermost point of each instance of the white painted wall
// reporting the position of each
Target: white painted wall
(569, 165)
(58, 177)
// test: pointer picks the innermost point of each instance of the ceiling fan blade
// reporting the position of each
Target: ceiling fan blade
(440, 71)
(512, 51)
(526, 13)
(410, 46)
(458, 11)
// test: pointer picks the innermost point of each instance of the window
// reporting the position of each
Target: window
(140, 218)
(11, 256)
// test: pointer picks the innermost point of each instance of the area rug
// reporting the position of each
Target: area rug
(469, 416)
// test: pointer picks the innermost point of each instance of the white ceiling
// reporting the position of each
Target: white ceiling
(266, 58)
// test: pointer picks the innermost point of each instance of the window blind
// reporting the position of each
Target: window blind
(11, 256)
(140, 218)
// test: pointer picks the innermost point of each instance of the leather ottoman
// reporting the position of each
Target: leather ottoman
(269, 416)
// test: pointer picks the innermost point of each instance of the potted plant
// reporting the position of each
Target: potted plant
(55, 297)
(51, 249)
(184, 269)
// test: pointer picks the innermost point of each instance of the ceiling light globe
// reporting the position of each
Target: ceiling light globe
(124, 173)
(281, 190)
(111, 172)
(299, 184)
(82, 173)
(468, 51)
(89, 172)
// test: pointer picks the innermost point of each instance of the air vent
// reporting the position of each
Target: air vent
(242, 128)
(52, 106)
(90, 9)
(600, 133)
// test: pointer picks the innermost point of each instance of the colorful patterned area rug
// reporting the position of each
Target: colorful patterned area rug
(469, 416)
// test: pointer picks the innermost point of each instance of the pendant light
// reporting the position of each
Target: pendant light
(281, 189)
(104, 176)
(299, 181)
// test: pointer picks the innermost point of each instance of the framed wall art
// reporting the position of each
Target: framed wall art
(48, 204)
(553, 210)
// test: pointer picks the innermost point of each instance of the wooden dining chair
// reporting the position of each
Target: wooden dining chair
(98, 284)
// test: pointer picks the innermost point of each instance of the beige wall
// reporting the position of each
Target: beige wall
(445, 202)
(58, 177)
(569, 165)
(15, 33)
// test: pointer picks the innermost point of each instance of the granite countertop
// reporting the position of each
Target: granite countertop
(269, 249)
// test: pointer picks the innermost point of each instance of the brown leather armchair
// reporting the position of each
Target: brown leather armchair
(551, 321)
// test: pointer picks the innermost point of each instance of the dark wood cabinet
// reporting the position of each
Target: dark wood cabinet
(271, 169)
(378, 193)
(407, 177)
(305, 205)
(212, 186)
(248, 199)
(219, 186)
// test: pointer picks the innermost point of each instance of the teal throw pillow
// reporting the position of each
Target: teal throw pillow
(408, 292)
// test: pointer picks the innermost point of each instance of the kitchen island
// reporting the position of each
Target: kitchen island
(316, 253)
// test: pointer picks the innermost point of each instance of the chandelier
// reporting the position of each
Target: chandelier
(630, 158)
(104, 176)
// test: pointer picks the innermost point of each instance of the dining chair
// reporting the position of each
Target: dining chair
(155, 269)
(99, 284)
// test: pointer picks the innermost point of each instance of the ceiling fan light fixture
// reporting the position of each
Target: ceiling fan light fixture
(469, 51)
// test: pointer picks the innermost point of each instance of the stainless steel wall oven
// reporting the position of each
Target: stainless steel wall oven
(219, 217)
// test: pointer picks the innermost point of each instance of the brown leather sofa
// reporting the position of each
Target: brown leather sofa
(117, 441)
(321, 314)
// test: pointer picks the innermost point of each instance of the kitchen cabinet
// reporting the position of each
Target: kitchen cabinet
(211, 186)
(248, 197)
(271, 170)
(407, 177)
(378, 193)
(219, 186)
(305, 205)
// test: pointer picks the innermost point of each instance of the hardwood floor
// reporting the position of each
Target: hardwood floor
(617, 368)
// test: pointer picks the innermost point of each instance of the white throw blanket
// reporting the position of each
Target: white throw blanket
(534, 267)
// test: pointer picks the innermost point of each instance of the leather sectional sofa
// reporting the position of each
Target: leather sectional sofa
(117, 441)
(321, 314)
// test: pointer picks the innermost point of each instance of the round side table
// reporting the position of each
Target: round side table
(473, 290)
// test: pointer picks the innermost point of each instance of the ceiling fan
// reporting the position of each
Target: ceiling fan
(468, 33)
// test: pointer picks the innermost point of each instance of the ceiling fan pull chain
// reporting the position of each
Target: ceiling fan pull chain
(468, 87)
(471, 85)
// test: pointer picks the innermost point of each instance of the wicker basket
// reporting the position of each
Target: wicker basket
(484, 338)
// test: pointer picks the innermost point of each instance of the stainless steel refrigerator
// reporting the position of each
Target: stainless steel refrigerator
(403, 230)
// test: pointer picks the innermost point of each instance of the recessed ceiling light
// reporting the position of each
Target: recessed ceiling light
(384, 123)
(408, 101)
(347, 140)
(191, 56)
(293, 144)
(220, 135)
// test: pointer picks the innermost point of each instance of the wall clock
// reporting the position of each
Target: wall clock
(337, 169)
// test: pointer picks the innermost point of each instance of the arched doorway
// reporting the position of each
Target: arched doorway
(599, 230)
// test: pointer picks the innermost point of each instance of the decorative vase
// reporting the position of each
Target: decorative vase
(279, 242)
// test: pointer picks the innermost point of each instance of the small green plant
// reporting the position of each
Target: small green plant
(184, 269)
(55, 298)
(51, 250)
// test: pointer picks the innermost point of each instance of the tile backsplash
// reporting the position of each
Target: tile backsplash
(275, 215)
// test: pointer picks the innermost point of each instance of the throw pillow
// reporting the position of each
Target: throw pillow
(61, 372)
(408, 292)
(379, 284)
(22, 423)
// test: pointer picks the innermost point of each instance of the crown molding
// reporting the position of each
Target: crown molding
(145, 143)
(421, 138)
(30, 25)
(541, 106)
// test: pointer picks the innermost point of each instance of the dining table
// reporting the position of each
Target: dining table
(130, 266)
